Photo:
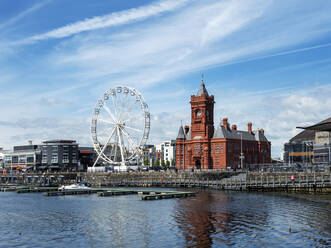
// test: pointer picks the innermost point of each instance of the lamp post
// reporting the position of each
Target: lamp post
(183, 146)
(241, 152)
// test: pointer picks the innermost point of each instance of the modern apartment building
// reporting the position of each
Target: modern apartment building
(166, 151)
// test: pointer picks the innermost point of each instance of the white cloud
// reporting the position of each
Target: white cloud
(23, 14)
(113, 19)
(201, 35)
(204, 34)
(278, 113)
(184, 41)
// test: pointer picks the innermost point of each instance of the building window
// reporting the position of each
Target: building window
(217, 148)
(74, 159)
(196, 148)
(201, 148)
(8, 159)
(22, 159)
(65, 159)
(30, 158)
(222, 150)
(217, 160)
(55, 148)
(15, 159)
(54, 159)
(212, 148)
(44, 159)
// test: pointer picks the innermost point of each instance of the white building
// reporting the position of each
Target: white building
(167, 151)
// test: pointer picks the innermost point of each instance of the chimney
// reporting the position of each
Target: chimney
(234, 127)
(262, 131)
(187, 128)
(225, 123)
(249, 125)
(30, 142)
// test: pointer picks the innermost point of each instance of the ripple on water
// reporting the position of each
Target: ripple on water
(211, 219)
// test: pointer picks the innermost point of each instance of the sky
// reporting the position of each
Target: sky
(265, 61)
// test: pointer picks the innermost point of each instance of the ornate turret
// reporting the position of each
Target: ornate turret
(202, 89)
(181, 134)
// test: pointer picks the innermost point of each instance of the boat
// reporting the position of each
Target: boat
(75, 186)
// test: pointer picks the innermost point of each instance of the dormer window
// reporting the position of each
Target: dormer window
(198, 112)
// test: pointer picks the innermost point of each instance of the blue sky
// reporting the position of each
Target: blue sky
(265, 61)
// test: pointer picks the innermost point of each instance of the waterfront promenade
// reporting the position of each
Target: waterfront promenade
(319, 182)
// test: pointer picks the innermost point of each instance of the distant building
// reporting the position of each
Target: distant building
(59, 155)
(149, 154)
(2, 156)
(87, 157)
(22, 157)
(166, 151)
(51, 155)
(312, 145)
(201, 146)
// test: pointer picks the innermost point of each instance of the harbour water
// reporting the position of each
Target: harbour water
(211, 219)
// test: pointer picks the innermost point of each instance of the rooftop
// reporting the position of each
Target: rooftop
(223, 132)
(309, 133)
(59, 141)
(322, 126)
(202, 90)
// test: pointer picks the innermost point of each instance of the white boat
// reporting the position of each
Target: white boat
(75, 186)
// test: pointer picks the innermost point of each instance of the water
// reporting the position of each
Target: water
(211, 219)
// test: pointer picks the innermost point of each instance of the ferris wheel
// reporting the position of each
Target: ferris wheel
(120, 126)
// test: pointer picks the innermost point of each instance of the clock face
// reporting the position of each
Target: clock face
(198, 112)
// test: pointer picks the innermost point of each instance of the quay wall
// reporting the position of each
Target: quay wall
(303, 182)
(155, 178)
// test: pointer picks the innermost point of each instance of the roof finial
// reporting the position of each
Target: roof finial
(181, 122)
(202, 77)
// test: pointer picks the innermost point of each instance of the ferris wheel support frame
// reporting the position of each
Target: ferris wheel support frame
(119, 119)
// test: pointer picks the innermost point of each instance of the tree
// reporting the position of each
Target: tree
(172, 162)
(162, 163)
(157, 163)
(146, 162)
(167, 163)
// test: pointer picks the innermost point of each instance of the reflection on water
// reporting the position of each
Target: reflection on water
(219, 219)
(211, 219)
(199, 219)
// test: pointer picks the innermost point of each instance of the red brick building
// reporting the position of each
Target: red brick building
(204, 147)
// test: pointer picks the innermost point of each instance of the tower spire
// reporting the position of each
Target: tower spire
(202, 89)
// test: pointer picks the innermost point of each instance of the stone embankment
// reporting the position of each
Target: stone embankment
(301, 182)
(319, 182)
(152, 178)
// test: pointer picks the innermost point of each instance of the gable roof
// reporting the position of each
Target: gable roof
(222, 132)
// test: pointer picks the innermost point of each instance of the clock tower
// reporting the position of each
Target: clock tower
(202, 114)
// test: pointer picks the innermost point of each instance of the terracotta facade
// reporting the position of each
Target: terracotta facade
(201, 146)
